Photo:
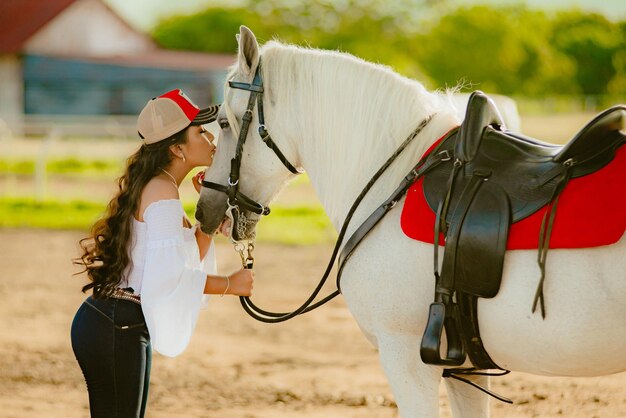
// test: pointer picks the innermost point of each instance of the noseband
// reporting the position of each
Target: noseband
(236, 199)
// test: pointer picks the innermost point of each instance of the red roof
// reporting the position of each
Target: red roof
(20, 19)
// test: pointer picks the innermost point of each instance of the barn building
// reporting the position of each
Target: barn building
(79, 57)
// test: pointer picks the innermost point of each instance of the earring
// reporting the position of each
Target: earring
(184, 159)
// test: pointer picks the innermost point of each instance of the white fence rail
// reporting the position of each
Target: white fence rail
(122, 126)
(42, 138)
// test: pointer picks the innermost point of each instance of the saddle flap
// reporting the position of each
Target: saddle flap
(482, 242)
(481, 112)
(595, 145)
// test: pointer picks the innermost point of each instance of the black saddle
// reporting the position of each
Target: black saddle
(496, 178)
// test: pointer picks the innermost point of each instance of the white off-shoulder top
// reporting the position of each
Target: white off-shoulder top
(167, 272)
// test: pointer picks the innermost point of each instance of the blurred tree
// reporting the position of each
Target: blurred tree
(591, 41)
(212, 30)
(510, 50)
(371, 29)
(617, 86)
(497, 49)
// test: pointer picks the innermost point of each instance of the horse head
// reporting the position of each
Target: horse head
(250, 166)
(333, 113)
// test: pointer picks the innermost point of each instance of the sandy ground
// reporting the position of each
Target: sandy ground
(318, 365)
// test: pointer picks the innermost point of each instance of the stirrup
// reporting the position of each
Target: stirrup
(438, 320)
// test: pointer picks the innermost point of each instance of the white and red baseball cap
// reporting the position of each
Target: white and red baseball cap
(170, 113)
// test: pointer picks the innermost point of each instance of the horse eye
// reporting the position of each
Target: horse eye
(224, 124)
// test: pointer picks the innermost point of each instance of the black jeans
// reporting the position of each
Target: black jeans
(112, 345)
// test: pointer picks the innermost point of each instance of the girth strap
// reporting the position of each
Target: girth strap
(468, 320)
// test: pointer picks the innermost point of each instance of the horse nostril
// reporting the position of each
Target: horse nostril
(199, 214)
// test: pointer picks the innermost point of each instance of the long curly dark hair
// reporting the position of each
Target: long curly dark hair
(105, 251)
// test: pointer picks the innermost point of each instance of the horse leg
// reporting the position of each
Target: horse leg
(415, 385)
(389, 299)
(467, 401)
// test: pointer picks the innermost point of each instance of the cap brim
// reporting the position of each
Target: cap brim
(207, 115)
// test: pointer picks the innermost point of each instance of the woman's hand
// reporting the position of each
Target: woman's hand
(197, 181)
(241, 283)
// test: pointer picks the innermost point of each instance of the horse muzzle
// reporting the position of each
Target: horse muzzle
(210, 212)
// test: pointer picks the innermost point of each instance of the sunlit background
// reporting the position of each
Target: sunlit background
(75, 73)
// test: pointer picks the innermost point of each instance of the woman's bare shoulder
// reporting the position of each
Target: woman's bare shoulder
(156, 189)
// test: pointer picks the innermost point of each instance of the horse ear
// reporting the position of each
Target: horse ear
(248, 54)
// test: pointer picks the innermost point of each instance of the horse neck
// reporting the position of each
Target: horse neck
(346, 117)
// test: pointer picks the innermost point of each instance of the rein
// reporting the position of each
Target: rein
(237, 201)
(429, 163)
(275, 317)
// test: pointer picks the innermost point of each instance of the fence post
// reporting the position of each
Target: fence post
(40, 166)
(6, 137)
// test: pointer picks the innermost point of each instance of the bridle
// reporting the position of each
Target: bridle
(236, 199)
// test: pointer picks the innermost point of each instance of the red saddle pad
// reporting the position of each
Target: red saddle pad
(591, 212)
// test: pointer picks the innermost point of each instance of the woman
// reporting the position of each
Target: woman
(149, 269)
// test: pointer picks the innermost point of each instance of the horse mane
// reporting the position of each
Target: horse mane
(348, 116)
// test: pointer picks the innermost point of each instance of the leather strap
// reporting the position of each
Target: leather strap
(307, 306)
(240, 199)
(452, 238)
(361, 232)
(544, 240)
(457, 372)
(235, 197)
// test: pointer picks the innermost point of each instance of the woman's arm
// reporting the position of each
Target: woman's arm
(204, 242)
(239, 283)
(172, 289)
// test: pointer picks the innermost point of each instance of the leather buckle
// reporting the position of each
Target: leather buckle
(263, 133)
(445, 155)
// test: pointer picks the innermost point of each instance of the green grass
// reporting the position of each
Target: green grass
(72, 166)
(66, 166)
(28, 213)
(296, 225)
(285, 225)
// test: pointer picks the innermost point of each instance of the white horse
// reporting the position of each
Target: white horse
(339, 118)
